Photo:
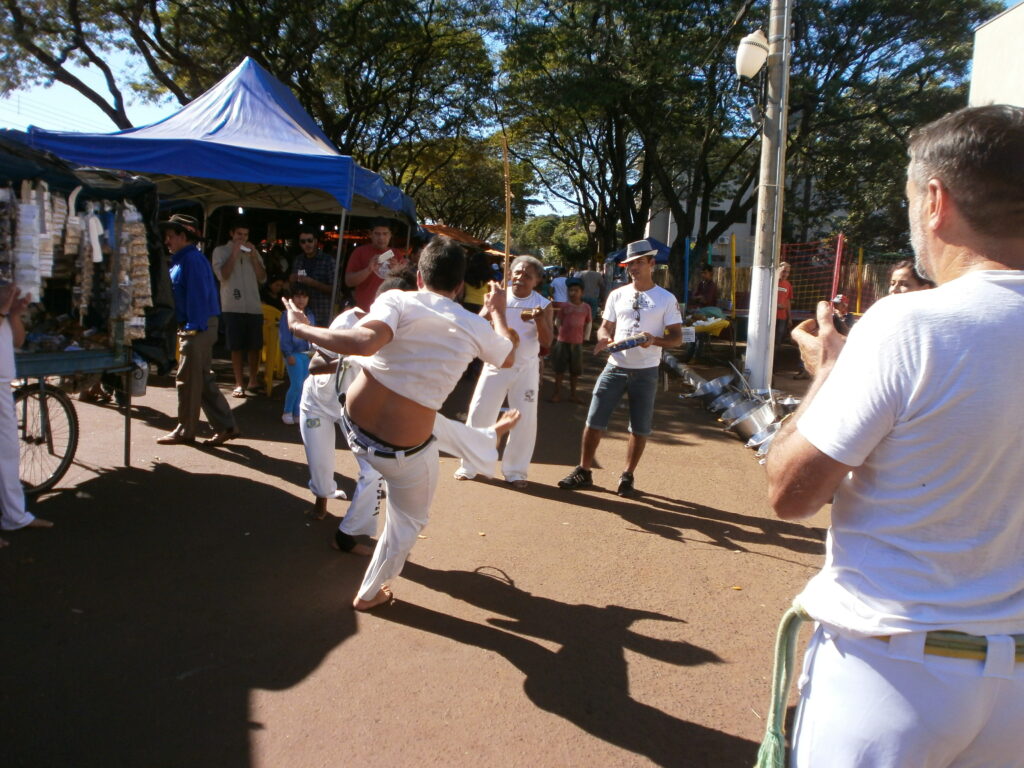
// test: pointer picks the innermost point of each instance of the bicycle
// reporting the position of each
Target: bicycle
(47, 434)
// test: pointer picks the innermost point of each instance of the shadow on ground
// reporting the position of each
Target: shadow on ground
(135, 630)
(585, 681)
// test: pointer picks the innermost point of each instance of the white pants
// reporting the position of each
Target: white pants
(411, 482)
(520, 384)
(868, 703)
(452, 437)
(12, 496)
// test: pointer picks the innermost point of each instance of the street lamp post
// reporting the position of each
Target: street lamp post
(599, 258)
(751, 55)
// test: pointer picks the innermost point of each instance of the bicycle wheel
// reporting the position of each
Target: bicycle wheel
(48, 432)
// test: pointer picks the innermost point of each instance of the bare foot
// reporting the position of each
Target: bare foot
(555, 398)
(40, 523)
(347, 544)
(383, 597)
(4, 543)
(319, 510)
(507, 421)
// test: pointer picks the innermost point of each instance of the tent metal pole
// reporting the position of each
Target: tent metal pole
(337, 261)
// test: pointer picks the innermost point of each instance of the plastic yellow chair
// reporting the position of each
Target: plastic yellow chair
(273, 361)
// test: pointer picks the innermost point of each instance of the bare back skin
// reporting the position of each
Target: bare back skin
(386, 414)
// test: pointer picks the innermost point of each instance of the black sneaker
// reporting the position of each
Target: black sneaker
(626, 484)
(579, 478)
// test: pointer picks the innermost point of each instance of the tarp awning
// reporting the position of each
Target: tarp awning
(456, 234)
(246, 141)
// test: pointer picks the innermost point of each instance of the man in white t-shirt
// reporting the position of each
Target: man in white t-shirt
(560, 287)
(640, 308)
(413, 348)
(912, 431)
(240, 271)
(521, 382)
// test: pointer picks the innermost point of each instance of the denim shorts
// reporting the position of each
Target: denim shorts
(639, 384)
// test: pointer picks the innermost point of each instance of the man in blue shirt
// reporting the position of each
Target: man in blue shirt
(197, 307)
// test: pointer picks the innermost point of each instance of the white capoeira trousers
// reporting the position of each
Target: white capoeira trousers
(12, 496)
(869, 703)
(411, 482)
(451, 437)
(319, 415)
(521, 385)
(321, 412)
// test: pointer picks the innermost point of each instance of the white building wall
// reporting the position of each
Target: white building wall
(662, 226)
(997, 73)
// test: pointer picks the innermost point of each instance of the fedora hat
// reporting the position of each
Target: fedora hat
(183, 221)
(638, 250)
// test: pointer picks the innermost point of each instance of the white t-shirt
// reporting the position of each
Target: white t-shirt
(635, 311)
(529, 343)
(320, 390)
(435, 339)
(928, 531)
(560, 289)
(241, 291)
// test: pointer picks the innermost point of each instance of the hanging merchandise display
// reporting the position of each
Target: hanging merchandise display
(133, 272)
(8, 211)
(51, 243)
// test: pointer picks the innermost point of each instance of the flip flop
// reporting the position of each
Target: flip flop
(238, 392)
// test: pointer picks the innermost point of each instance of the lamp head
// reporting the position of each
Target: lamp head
(751, 54)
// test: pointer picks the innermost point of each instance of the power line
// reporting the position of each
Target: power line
(18, 109)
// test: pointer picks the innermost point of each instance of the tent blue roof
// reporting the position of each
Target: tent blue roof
(246, 141)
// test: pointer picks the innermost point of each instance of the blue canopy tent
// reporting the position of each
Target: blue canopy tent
(661, 257)
(247, 141)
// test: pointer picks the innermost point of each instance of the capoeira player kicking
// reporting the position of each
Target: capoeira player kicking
(330, 377)
(415, 346)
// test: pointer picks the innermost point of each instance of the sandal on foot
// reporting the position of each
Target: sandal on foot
(222, 437)
(238, 392)
(175, 438)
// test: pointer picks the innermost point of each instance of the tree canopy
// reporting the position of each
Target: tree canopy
(385, 79)
(617, 109)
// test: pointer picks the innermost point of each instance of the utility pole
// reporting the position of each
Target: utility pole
(771, 187)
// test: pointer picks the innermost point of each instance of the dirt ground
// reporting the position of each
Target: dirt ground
(186, 612)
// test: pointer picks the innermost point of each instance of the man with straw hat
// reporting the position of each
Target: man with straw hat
(197, 307)
(639, 309)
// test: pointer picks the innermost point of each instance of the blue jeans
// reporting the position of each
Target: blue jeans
(297, 374)
(639, 384)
